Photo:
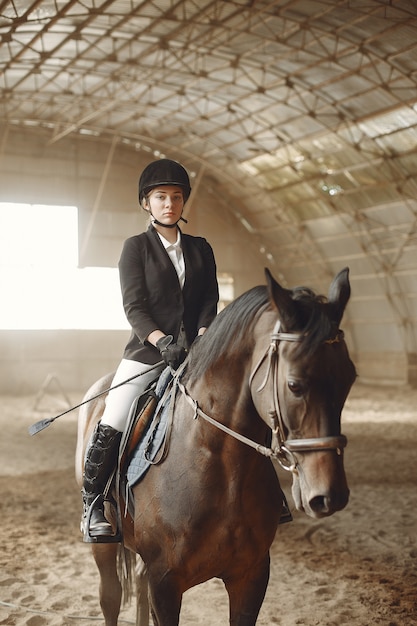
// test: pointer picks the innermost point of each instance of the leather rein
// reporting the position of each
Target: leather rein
(283, 450)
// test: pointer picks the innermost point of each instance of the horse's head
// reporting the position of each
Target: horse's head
(299, 388)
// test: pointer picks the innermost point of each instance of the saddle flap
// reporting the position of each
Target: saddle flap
(146, 431)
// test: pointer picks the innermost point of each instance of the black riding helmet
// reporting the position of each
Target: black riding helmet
(163, 172)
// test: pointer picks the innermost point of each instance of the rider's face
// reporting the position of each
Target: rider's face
(166, 203)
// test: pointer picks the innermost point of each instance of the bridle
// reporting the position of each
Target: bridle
(283, 450)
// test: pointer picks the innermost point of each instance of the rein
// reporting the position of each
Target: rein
(268, 452)
(283, 450)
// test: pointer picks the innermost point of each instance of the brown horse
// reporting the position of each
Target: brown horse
(267, 380)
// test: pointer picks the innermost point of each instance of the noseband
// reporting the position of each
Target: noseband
(284, 450)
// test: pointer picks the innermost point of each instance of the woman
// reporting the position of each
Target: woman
(170, 295)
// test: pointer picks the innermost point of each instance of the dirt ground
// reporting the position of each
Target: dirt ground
(358, 567)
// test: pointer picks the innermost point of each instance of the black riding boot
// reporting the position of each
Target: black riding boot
(101, 459)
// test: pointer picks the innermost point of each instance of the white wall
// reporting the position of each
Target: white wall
(75, 358)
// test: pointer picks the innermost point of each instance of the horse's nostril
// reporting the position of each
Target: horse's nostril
(320, 504)
(324, 505)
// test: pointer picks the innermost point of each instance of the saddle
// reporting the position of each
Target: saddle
(145, 439)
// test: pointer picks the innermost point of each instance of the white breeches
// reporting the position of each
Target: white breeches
(119, 401)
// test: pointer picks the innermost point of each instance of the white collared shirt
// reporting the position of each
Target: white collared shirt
(176, 255)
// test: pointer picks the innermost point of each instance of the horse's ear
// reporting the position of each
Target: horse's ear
(339, 294)
(281, 299)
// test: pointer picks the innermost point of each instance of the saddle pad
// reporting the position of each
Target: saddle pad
(145, 453)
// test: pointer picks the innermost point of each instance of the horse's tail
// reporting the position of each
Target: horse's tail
(130, 566)
(126, 571)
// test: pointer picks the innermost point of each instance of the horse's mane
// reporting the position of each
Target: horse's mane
(230, 334)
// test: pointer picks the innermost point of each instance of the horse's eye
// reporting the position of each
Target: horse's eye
(295, 387)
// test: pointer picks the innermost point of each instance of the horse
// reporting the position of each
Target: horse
(266, 382)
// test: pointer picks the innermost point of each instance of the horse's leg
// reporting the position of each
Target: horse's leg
(142, 597)
(105, 555)
(246, 594)
(165, 601)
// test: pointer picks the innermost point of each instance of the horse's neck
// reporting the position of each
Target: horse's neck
(226, 399)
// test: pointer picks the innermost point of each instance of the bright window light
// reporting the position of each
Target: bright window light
(40, 284)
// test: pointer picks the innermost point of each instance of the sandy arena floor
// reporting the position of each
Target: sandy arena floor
(358, 567)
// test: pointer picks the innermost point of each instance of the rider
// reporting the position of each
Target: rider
(170, 295)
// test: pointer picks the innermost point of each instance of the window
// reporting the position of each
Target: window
(40, 284)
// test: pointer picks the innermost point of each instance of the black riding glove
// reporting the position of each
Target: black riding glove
(172, 354)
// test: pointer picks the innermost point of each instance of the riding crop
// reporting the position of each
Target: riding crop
(38, 426)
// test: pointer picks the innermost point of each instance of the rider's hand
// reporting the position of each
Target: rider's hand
(172, 354)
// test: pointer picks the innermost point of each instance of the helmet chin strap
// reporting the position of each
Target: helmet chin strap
(155, 221)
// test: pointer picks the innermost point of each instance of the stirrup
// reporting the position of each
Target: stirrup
(85, 526)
